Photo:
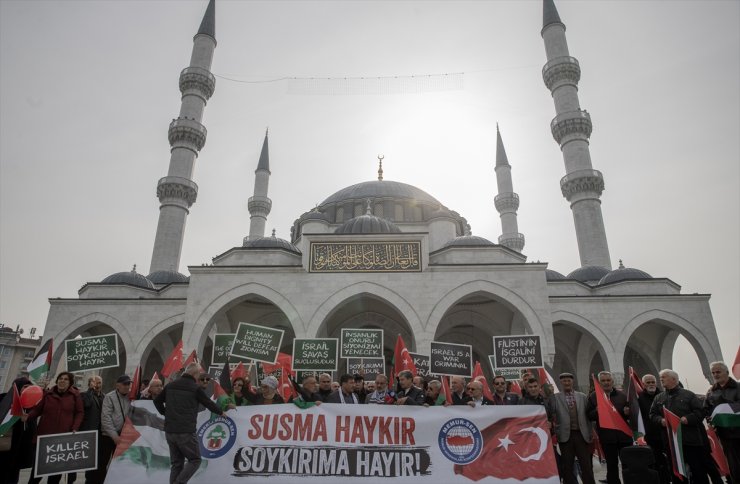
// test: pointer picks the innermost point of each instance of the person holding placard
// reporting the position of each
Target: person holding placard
(60, 411)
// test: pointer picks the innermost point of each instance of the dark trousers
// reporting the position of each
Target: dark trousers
(611, 452)
(693, 456)
(106, 447)
(731, 447)
(182, 447)
(576, 447)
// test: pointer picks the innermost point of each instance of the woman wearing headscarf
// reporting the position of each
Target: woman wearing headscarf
(60, 410)
(22, 452)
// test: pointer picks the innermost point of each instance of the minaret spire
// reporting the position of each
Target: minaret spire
(571, 128)
(507, 202)
(259, 205)
(177, 191)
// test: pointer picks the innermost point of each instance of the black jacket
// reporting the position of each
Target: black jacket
(683, 403)
(609, 436)
(456, 400)
(179, 402)
(415, 396)
(93, 404)
(718, 395)
(653, 432)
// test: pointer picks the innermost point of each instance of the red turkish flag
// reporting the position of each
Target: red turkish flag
(446, 389)
(717, 454)
(174, 361)
(192, 358)
(478, 376)
(239, 372)
(402, 359)
(515, 388)
(133, 392)
(609, 417)
(514, 448)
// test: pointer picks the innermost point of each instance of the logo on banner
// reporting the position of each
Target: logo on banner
(216, 437)
(460, 441)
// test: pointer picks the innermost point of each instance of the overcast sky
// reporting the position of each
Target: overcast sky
(87, 89)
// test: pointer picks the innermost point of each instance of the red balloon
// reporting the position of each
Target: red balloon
(31, 395)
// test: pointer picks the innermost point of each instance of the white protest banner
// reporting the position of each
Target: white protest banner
(282, 443)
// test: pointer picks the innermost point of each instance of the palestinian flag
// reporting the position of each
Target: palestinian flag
(41, 363)
(10, 410)
(675, 443)
(726, 415)
(637, 422)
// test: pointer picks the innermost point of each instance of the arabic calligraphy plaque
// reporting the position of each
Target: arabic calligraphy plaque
(365, 257)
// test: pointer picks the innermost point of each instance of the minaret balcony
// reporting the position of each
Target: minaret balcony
(177, 189)
(199, 80)
(512, 241)
(571, 125)
(259, 206)
(561, 71)
(582, 182)
(506, 202)
(187, 133)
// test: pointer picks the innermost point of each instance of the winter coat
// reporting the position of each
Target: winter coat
(683, 403)
(179, 403)
(718, 395)
(59, 412)
(93, 404)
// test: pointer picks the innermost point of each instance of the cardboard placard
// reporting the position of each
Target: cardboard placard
(508, 373)
(422, 364)
(222, 343)
(367, 367)
(68, 452)
(258, 343)
(315, 354)
(362, 343)
(92, 353)
(518, 351)
(451, 359)
(215, 371)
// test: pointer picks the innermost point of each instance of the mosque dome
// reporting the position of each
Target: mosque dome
(588, 274)
(270, 243)
(623, 274)
(377, 189)
(469, 241)
(132, 278)
(368, 224)
(167, 277)
(551, 275)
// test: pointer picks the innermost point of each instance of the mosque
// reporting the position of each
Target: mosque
(385, 254)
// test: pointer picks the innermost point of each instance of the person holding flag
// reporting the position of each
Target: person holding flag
(722, 408)
(653, 432)
(613, 436)
(22, 452)
(676, 401)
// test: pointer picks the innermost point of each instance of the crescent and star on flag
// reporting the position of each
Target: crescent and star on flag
(541, 435)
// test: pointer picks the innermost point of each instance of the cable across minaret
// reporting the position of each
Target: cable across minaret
(177, 191)
(571, 128)
(259, 205)
(507, 202)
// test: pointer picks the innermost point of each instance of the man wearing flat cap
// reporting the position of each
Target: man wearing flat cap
(573, 430)
(116, 407)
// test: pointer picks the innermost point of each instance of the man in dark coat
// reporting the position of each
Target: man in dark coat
(325, 386)
(459, 392)
(500, 395)
(477, 399)
(408, 394)
(725, 390)
(612, 441)
(653, 432)
(179, 403)
(345, 394)
(92, 402)
(684, 404)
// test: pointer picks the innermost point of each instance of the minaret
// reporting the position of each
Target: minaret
(177, 191)
(571, 128)
(259, 205)
(507, 202)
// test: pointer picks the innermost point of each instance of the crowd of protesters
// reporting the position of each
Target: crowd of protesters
(573, 416)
